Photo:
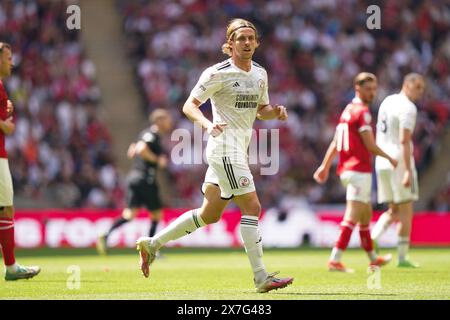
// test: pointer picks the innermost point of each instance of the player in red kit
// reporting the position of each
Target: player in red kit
(355, 143)
(14, 271)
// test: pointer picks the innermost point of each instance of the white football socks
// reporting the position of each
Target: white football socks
(185, 224)
(253, 246)
(381, 226)
(403, 247)
(12, 268)
(336, 254)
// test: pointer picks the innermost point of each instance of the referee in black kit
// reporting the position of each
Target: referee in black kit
(142, 187)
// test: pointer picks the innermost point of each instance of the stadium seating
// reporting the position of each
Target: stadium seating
(61, 150)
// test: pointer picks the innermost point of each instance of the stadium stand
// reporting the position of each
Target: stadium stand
(61, 149)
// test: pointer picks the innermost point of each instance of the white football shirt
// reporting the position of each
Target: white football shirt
(235, 95)
(396, 112)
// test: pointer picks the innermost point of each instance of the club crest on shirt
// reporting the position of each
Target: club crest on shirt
(244, 182)
(261, 83)
(148, 137)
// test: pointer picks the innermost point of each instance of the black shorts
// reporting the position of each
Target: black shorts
(142, 194)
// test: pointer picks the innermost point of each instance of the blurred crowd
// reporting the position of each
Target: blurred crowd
(61, 150)
(311, 50)
(441, 201)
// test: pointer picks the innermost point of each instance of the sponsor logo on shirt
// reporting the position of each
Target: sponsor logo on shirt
(246, 101)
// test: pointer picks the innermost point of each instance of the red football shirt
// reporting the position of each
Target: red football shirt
(3, 116)
(353, 155)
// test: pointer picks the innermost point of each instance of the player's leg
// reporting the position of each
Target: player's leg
(127, 215)
(351, 217)
(154, 206)
(7, 237)
(14, 271)
(210, 212)
(137, 191)
(384, 221)
(404, 197)
(404, 231)
(354, 206)
(251, 210)
(214, 202)
(155, 218)
(364, 232)
(366, 239)
(385, 195)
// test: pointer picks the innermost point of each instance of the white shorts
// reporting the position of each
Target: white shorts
(233, 179)
(391, 189)
(6, 186)
(358, 184)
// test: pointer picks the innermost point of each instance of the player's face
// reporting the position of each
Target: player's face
(165, 124)
(245, 43)
(367, 91)
(416, 90)
(5, 63)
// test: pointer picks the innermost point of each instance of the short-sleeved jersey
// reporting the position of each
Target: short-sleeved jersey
(396, 112)
(3, 117)
(141, 168)
(235, 95)
(353, 154)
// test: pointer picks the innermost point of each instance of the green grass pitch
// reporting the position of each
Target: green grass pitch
(224, 274)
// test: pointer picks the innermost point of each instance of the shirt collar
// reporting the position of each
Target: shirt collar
(236, 67)
(402, 94)
(357, 100)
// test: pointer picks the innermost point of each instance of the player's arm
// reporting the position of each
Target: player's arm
(9, 108)
(268, 112)
(405, 146)
(321, 174)
(7, 126)
(407, 118)
(369, 142)
(142, 150)
(192, 110)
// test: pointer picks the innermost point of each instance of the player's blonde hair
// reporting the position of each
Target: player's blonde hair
(232, 27)
(364, 77)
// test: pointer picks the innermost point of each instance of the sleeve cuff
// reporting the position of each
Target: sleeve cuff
(365, 128)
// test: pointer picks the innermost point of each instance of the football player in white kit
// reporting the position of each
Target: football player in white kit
(398, 187)
(238, 90)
